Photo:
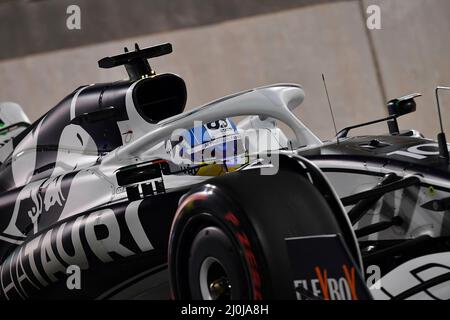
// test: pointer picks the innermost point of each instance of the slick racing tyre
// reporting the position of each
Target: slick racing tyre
(228, 237)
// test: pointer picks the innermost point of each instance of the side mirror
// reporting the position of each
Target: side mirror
(402, 105)
(110, 113)
(399, 107)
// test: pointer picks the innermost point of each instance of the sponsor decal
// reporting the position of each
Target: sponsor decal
(46, 258)
(33, 202)
(342, 288)
(418, 152)
(329, 274)
(422, 278)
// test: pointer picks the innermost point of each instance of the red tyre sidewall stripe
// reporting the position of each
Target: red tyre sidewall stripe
(240, 235)
(243, 239)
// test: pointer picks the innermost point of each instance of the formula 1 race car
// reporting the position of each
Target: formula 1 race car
(115, 193)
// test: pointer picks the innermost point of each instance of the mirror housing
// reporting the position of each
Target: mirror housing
(399, 107)
(402, 105)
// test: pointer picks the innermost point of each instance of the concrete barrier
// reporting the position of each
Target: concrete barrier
(296, 45)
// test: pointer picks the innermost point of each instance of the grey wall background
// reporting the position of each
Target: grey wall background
(224, 46)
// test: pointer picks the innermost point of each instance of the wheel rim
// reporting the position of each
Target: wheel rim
(231, 280)
(214, 281)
